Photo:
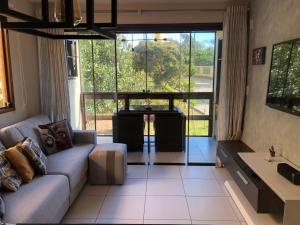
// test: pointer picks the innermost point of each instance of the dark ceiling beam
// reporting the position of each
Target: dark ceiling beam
(105, 34)
(114, 13)
(45, 10)
(34, 32)
(6, 11)
(90, 16)
(50, 25)
(35, 26)
(69, 13)
(63, 36)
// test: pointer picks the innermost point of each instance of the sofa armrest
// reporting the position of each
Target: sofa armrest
(85, 136)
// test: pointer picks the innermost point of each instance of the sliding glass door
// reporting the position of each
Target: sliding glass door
(201, 108)
(180, 64)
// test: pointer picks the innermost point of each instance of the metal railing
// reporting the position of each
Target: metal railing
(127, 96)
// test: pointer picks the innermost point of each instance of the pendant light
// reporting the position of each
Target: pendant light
(59, 11)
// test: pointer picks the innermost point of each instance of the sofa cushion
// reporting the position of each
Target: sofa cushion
(15, 133)
(44, 200)
(28, 127)
(72, 163)
(39, 119)
(10, 136)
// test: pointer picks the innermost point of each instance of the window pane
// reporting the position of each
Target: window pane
(3, 90)
(6, 98)
(203, 51)
(199, 127)
(104, 65)
(89, 119)
(86, 66)
(104, 112)
(131, 67)
(199, 107)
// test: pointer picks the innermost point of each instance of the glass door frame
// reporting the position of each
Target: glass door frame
(201, 95)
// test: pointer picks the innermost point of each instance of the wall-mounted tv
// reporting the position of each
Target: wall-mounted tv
(284, 81)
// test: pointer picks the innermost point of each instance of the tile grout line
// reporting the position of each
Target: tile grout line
(185, 196)
(228, 197)
(234, 211)
(106, 194)
(146, 194)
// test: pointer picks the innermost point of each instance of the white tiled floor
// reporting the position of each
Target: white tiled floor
(201, 150)
(159, 195)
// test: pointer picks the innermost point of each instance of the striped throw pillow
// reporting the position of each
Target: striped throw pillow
(9, 178)
(2, 147)
(35, 155)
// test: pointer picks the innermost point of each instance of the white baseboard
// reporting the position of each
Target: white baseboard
(250, 215)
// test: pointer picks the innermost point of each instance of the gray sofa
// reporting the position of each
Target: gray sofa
(46, 199)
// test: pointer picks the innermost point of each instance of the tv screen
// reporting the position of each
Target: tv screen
(284, 81)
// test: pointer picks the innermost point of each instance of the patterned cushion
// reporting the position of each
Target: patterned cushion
(34, 154)
(55, 136)
(20, 163)
(9, 178)
(2, 147)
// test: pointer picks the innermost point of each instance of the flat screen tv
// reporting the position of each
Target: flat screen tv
(284, 81)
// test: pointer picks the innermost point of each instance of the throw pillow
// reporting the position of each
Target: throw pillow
(20, 162)
(2, 147)
(34, 154)
(55, 136)
(9, 178)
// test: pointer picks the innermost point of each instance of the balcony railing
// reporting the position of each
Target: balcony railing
(127, 96)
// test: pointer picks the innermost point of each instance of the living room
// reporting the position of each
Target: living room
(158, 112)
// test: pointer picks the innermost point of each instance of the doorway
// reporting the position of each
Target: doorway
(180, 64)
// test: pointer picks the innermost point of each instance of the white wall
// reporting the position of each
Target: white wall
(24, 62)
(273, 21)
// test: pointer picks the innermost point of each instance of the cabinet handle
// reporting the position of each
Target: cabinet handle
(223, 153)
(242, 177)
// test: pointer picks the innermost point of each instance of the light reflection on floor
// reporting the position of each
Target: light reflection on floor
(201, 150)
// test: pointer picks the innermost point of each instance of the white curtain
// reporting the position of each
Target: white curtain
(53, 78)
(233, 74)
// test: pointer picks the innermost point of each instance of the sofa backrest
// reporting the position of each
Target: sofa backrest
(12, 134)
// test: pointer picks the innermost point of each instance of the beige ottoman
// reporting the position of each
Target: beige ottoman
(108, 164)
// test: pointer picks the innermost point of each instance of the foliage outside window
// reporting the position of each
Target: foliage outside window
(154, 62)
(6, 95)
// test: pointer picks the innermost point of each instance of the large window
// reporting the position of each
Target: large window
(178, 63)
(6, 95)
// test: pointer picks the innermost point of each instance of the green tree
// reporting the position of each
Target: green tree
(163, 62)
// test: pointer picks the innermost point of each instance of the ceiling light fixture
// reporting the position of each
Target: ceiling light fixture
(60, 8)
(68, 16)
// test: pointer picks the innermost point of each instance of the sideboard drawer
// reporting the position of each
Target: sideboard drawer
(259, 195)
(246, 185)
(224, 155)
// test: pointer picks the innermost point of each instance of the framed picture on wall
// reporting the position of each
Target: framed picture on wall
(258, 56)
